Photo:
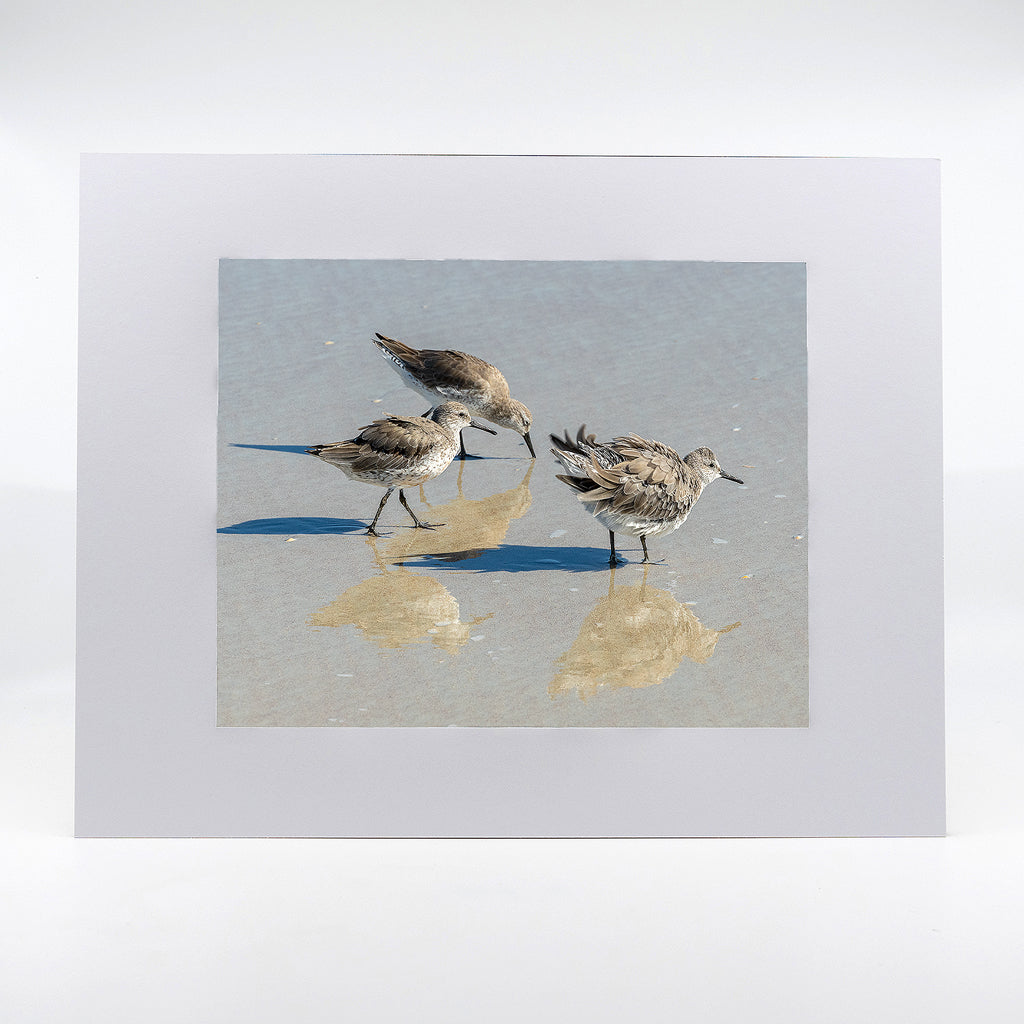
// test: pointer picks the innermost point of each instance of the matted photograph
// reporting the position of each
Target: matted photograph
(509, 496)
(563, 494)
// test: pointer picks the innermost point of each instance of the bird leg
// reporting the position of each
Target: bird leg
(647, 557)
(387, 494)
(419, 524)
(612, 560)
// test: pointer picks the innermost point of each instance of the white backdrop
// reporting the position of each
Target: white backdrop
(767, 930)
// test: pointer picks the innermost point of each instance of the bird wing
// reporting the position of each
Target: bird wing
(385, 444)
(411, 435)
(650, 481)
(453, 373)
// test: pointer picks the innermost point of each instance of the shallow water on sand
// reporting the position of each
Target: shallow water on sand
(508, 614)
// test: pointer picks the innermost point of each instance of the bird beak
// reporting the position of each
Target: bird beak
(734, 479)
(529, 444)
(480, 426)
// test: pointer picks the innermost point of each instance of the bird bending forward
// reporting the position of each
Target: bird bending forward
(457, 376)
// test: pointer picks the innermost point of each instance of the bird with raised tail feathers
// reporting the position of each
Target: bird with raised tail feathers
(634, 486)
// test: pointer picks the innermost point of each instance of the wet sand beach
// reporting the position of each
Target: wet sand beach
(509, 615)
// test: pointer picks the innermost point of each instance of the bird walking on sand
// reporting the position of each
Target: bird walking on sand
(456, 376)
(400, 451)
(634, 486)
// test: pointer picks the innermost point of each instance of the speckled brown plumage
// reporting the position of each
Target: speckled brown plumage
(635, 486)
(400, 451)
(458, 376)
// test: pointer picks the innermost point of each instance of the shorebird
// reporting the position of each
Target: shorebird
(460, 377)
(400, 451)
(634, 486)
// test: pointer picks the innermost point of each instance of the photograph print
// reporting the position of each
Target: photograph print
(512, 494)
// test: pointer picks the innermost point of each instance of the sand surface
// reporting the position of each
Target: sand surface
(509, 615)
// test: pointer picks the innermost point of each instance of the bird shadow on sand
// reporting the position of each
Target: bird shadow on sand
(512, 558)
(504, 558)
(295, 526)
(298, 449)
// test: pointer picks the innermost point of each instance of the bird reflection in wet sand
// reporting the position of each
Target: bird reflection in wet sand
(474, 525)
(401, 451)
(637, 636)
(634, 486)
(398, 608)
